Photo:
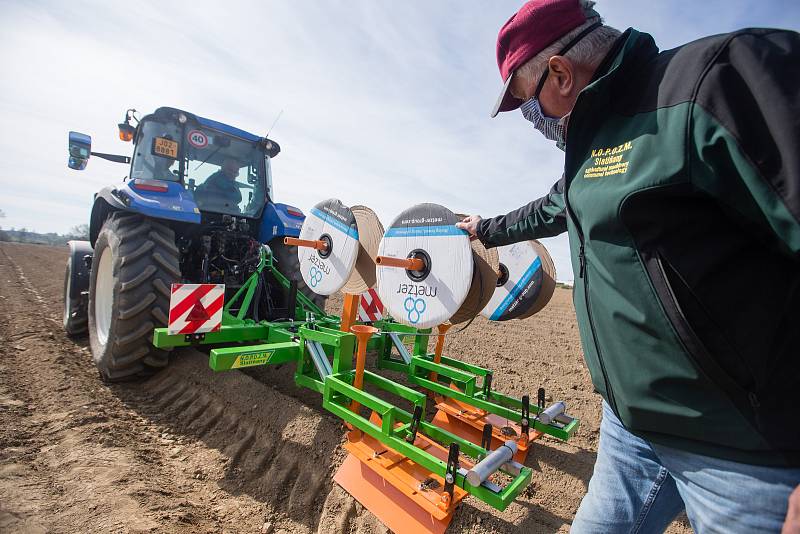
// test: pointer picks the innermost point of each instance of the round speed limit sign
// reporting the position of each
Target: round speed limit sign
(197, 139)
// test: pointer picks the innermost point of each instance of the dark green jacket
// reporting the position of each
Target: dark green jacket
(681, 196)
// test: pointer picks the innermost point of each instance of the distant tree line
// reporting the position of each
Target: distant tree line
(23, 235)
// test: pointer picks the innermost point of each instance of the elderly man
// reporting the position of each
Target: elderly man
(681, 197)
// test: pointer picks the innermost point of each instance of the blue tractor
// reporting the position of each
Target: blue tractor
(196, 207)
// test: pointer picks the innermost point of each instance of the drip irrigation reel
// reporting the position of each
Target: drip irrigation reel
(410, 472)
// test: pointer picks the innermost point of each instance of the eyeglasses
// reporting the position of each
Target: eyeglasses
(563, 51)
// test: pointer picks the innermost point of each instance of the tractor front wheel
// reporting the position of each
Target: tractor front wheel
(135, 262)
(76, 282)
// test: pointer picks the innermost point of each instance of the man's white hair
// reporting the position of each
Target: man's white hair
(589, 51)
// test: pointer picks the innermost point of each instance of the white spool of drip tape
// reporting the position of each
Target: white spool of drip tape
(526, 283)
(484, 281)
(370, 232)
(426, 298)
(326, 271)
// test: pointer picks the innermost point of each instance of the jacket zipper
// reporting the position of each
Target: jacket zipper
(584, 275)
(686, 331)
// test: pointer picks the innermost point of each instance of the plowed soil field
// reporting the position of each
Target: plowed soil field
(190, 450)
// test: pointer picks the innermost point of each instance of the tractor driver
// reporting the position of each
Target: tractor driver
(162, 169)
(221, 186)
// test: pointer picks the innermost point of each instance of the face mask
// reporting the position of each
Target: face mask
(552, 129)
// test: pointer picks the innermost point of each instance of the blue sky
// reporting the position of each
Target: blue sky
(384, 104)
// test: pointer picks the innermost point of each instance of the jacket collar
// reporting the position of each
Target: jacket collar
(630, 50)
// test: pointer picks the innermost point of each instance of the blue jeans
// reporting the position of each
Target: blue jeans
(639, 486)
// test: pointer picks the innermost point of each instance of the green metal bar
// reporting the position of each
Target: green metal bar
(253, 355)
(226, 334)
(464, 366)
(563, 433)
(415, 397)
(249, 286)
(309, 382)
(343, 353)
(306, 304)
(394, 439)
(252, 283)
(421, 342)
(325, 336)
(449, 372)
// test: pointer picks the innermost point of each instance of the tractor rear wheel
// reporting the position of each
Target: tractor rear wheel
(135, 262)
(289, 266)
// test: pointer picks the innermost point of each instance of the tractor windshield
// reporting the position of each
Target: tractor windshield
(227, 174)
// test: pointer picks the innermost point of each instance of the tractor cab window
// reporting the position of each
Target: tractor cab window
(157, 150)
(227, 174)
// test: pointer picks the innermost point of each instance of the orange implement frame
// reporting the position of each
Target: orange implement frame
(403, 495)
(467, 422)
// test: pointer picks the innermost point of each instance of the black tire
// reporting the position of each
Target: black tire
(76, 282)
(133, 295)
(289, 266)
(75, 317)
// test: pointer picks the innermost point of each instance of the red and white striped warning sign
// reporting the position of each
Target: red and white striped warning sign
(370, 307)
(195, 308)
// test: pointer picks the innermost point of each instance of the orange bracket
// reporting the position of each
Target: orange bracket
(363, 333)
(409, 264)
(349, 311)
(310, 243)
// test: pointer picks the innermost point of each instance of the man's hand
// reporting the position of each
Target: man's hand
(470, 224)
(792, 523)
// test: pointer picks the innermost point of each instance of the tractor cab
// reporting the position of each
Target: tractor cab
(226, 169)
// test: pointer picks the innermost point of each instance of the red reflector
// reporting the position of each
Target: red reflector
(150, 185)
(294, 212)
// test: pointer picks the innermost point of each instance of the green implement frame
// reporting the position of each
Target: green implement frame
(325, 362)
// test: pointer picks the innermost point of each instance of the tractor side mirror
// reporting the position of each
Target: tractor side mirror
(271, 147)
(80, 148)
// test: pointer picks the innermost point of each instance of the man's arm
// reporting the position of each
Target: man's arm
(544, 217)
(746, 136)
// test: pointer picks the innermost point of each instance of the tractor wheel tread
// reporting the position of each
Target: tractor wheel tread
(138, 253)
(134, 232)
(76, 327)
(145, 263)
(160, 316)
(162, 288)
(174, 270)
(138, 280)
(138, 307)
(157, 360)
(136, 335)
(131, 358)
(164, 240)
(121, 375)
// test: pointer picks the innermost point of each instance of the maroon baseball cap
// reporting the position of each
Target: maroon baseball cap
(538, 24)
